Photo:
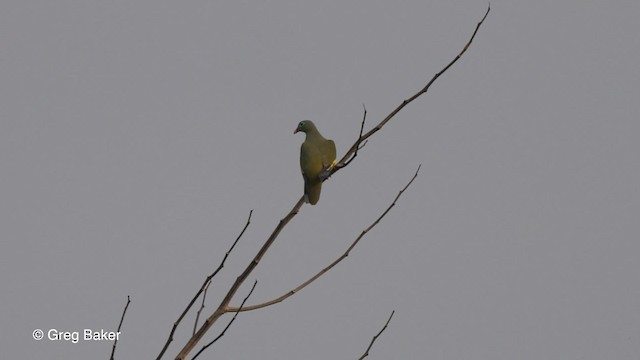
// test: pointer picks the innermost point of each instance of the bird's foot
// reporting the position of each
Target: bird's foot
(325, 173)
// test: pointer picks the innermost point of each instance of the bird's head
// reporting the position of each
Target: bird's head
(305, 126)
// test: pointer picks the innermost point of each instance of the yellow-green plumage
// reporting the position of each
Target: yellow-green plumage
(317, 154)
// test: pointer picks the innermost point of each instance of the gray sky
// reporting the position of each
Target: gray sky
(136, 136)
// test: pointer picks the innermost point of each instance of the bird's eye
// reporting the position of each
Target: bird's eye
(301, 123)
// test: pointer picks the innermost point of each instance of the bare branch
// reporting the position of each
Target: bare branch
(359, 144)
(115, 342)
(203, 288)
(366, 352)
(335, 262)
(204, 298)
(346, 159)
(223, 307)
(229, 324)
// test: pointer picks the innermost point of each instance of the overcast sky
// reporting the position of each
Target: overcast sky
(136, 136)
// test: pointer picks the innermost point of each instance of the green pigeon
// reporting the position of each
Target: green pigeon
(317, 156)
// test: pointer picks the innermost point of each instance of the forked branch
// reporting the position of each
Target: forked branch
(359, 144)
(335, 262)
(346, 159)
(223, 307)
(229, 324)
(205, 285)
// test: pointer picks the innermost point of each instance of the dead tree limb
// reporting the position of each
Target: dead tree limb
(223, 307)
(345, 160)
(224, 304)
(334, 263)
(203, 288)
(228, 325)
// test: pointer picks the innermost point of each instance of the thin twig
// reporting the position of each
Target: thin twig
(345, 159)
(334, 263)
(115, 342)
(204, 298)
(366, 352)
(229, 324)
(359, 144)
(205, 284)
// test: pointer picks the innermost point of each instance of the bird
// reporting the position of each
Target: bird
(317, 158)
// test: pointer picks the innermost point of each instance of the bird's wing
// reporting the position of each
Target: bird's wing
(310, 162)
(328, 150)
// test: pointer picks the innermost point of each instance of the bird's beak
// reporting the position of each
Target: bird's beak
(296, 130)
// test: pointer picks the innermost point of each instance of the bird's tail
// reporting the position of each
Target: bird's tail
(312, 193)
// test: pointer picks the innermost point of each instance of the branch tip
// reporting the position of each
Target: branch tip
(115, 342)
(375, 337)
